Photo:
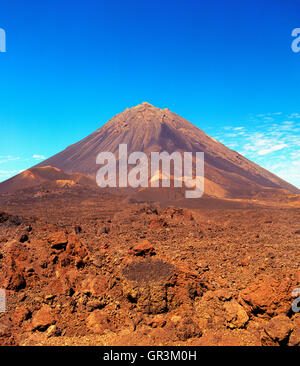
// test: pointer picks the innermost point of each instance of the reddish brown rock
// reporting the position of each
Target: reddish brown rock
(21, 314)
(267, 297)
(77, 249)
(58, 240)
(156, 322)
(236, 316)
(43, 318)
(295, 335)
(142, 249)
(183, 288)
(156, 286)
(185, 327)
(16, 281)
(94, 285)
(98, 322)
(59, 286)
(157, 223)
(145, 284)
(277, 331)
(223, 294)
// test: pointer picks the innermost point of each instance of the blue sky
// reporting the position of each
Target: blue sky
(227, 66)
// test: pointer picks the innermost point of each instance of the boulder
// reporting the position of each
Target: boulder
(43, 318)
(236, 316)
(16, 281)
(295, 335)
(94, 285)
(277, 331)
(76, 248)
(58, 240)
(267, 297)
(185, 327)
(21, 314)
(142, 249)
(98, 322)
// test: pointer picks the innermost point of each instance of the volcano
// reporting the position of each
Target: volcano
(90, 266)
(149, 129)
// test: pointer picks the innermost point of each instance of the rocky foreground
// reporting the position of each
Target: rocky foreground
(144, 275)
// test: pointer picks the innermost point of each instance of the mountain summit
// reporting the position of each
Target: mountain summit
(149, 129)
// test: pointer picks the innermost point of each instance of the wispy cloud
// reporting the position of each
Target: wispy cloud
(294, 115)
(8, 158)
(271, 139)
(38, 157)
(5, 174)
(271, 149)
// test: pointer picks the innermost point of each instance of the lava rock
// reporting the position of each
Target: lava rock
(142, 249)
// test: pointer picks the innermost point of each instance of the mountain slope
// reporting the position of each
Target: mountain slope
(39, 175)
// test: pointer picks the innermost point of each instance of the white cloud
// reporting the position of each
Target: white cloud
(6, 174)
(272, 140)
(271, 149)
(294, 115)
(8, 158)
(38, 157)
